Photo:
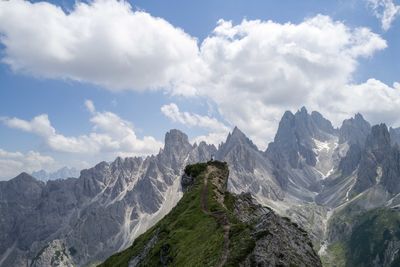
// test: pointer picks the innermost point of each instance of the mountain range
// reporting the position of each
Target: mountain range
(328, 180)
(62, 173)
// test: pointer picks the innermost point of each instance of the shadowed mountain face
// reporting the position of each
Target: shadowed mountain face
(309, 173)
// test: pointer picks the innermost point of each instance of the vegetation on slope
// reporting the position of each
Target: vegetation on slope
(372, 238)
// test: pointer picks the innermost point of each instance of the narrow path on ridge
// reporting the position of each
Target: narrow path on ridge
(219, 216)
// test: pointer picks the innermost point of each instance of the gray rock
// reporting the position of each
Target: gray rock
(354, 130)
(395, 135)
(55, 254)
(279, 242)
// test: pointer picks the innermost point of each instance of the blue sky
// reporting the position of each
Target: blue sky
(199, 79)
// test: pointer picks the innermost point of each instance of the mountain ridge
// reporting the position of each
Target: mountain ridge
(138, 192)
(231, 241)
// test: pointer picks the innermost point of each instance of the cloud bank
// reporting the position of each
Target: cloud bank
(252, 71)
(111, 135)
(102, 42)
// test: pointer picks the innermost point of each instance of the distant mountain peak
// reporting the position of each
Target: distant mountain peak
(303, 110)
(176, 137)
(238, 137)
(354, 130)
(24, 176)
(237, 133)
(62, 173)
(359, 116)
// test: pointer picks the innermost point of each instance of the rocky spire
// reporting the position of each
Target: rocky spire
(354, 130)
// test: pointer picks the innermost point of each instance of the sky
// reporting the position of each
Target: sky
(87, 81)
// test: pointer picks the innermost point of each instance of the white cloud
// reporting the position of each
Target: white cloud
(218, 130)
(13, 163)
(258, 69)
(190, 119)
(374, 99)
(385, 10)
(111, 134)
(90, 106)
(252, 71)
(103, 42)
(39, 125)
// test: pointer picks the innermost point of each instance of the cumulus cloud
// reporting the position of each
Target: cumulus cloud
(385, 10)
(111, 134)
(258, 69)
(252, 71)
(13, 163)
(191, 119)
(218, 130)
(104, 42)
(379, 102)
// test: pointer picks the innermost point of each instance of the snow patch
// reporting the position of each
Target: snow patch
(379, 176)
(349, 190)
(324, 151)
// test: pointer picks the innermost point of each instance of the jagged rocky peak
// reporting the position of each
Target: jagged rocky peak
(303, 126)
(296, 137)
(204, 151)
(238, 137)
(236, 141)
(354, 130)
(128, 163)
(175, 139)
(176, 149)
(250, 169)
(322, 123)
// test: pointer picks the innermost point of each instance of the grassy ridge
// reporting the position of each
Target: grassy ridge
(187, 236)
